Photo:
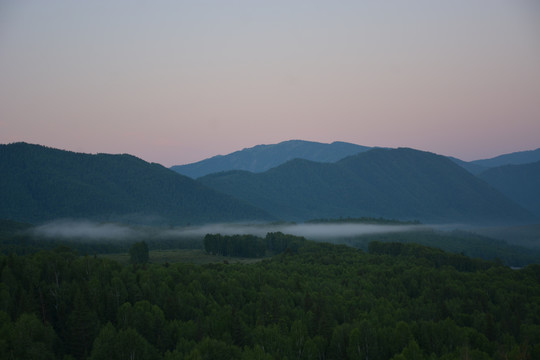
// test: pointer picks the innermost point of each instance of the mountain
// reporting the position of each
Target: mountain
(263, 157)
(516, 158)
(469, 166)
(391, 183)
(520, 183)
(40, 184)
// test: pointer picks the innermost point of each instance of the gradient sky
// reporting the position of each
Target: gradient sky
(177, 81)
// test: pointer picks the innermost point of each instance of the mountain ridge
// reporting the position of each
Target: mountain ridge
(260, 158)
(399, 183)
(515, 158)
(41, 184)
(263, 157)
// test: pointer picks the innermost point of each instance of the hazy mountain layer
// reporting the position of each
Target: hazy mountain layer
(520, 183)
(399, 183)
(263, 157)
(516, 158)
(40, 184)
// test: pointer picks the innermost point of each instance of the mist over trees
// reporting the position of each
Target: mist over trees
(383, 296)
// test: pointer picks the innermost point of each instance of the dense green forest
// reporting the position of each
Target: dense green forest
(251, 246)
(320, 301)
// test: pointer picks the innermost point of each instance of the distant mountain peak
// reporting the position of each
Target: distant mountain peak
(401, 183)
(262, 157)
(515, 158)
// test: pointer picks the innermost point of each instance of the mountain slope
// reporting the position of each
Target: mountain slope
(469, 166)
(516, 158)
(40, 184)
(520, 183)
(263, 157)
(399, 183)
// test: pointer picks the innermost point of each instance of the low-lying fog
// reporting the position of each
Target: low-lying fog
(88, 230)
(117, 237)
(84, 230)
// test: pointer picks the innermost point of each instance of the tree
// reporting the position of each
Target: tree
(138, 253)
(212, 349)
(147, 319)
(83, 327)
(412, 351)
(124, 344)
(31, 339)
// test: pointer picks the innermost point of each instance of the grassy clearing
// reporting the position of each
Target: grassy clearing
(193, 256)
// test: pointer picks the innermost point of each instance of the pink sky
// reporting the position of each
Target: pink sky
(174, 82)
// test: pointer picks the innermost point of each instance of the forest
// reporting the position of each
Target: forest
(309, 301)
(251, 246)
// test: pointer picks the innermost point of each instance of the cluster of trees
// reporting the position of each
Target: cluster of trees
(138, 253)
(322, 302)
(235, 245)
(250, 245)
(459, 242)
(434, 257)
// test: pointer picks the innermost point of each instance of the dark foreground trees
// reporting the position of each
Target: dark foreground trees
(138, 253)
(320, 302)
(251, 246)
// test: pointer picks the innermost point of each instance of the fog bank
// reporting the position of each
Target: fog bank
(84, 230)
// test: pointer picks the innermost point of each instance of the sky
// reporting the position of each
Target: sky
(175, 82)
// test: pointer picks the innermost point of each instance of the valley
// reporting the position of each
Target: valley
(382, 254)
(269, 180)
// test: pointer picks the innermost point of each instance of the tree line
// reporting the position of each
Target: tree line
(251, 246)
(321, 301)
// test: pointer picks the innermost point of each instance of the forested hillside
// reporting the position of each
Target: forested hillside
(399, 183)
(263, 157)
(40, 184)
(319, 301)
(520, 183)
